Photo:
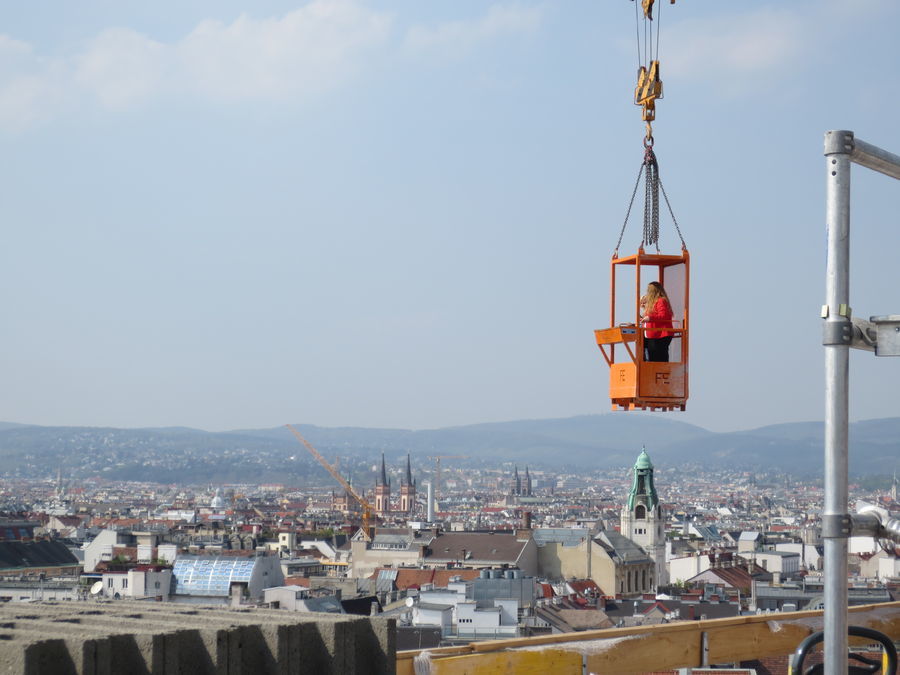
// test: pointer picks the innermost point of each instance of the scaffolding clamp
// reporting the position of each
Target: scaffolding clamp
(836, 526)
(837, 333)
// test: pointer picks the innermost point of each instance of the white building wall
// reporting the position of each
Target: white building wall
(432, 617)
(116, 583)
(682, 569)
(100, 548)
(889, 568)
(470, 618)
(813, 560)
(266, 574)
(509, 611)
(778, 562)
(862, 545)
(167, 552)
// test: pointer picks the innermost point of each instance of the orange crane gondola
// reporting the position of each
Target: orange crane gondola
(635, 381)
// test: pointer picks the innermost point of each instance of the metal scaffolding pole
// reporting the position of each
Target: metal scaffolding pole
(841, 148)
(835, 518)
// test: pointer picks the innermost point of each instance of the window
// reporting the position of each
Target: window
(109, 582)
(125, 583)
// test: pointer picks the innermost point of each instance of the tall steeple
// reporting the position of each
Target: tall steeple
(526, 487)
(408, 490)
(642, 518)
(382, 491)
(384, 479)
(409, 478)
(515, 484)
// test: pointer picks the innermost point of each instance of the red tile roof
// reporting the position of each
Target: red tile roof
(297, 581)
(584, 586)
(410, 577)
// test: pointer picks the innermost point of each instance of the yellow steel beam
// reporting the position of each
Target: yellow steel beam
(645, 648)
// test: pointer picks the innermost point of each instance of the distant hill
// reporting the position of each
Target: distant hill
(10, 425)
(184, 455)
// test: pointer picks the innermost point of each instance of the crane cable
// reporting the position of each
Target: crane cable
(649, 86)
(647, 91)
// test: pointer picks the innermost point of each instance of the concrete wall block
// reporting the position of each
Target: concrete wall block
(182, 652)
(163, 639)
(314, 645)
(377, 645)
(46, 657)
(131, 653)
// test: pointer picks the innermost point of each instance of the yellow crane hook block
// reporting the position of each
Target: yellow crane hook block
(648, 7)
(649, 88)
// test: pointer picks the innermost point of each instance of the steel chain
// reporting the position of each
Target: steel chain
(630, 204)
(651, 200)
(652, 186)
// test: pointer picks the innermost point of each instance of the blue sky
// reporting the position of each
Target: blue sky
(229, 214)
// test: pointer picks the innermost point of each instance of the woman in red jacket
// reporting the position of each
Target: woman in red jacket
(657, 316)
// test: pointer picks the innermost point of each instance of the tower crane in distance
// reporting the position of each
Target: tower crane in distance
(367, 509)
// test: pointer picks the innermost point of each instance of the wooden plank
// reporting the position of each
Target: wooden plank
(662, 651)
(514, 662)
(754, 640)
(781, 633)
(583, 636)
(405, 660)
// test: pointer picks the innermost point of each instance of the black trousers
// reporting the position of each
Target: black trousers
(657, 349)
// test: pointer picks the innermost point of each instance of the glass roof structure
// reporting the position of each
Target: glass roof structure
(210, 576)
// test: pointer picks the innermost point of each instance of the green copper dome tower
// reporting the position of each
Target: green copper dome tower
(642, 518)
(642, 489)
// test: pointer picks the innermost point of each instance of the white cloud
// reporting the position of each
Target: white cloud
(306, 51)
(741, 53)
(757, 42)
(26, 100)
(458, 37)
(303, 53)
(28, 87)
(121, 67)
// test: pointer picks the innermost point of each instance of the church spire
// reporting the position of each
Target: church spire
(409, 478)
(384, 480)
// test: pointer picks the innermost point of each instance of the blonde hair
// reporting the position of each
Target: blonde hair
(655, 291)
